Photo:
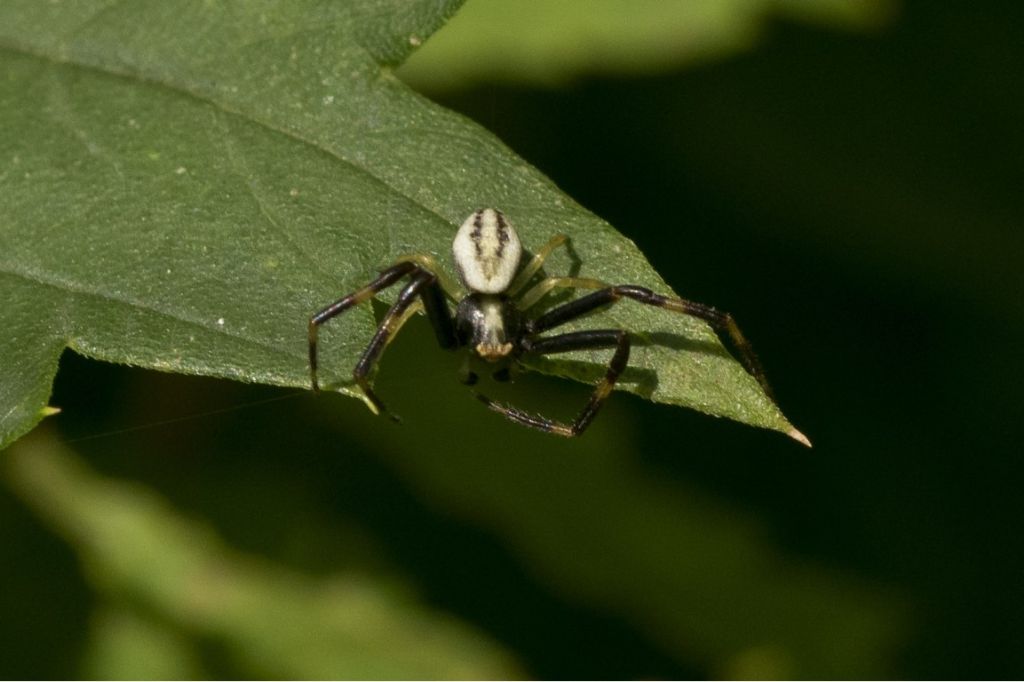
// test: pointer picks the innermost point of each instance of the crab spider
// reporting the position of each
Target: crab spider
(493, 320)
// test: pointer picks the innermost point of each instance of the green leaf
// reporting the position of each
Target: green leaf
(540, 41)
(183, 184)
(125, 645)
(274, 622)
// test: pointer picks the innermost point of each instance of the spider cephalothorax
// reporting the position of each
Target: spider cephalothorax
(492, 320)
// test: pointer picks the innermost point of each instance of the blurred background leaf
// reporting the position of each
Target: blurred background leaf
(551, 42)
(137, 552)
(570, 553)
(853, 198)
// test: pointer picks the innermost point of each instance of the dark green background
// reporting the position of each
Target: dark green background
(855, 201)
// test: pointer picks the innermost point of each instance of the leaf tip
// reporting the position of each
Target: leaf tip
(799, 437)
(49, 411)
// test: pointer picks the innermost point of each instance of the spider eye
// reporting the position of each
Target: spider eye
(487, 252)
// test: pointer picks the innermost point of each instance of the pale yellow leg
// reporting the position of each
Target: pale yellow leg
(416, 307)
(395, 326)
(544, 287)
(451, 289)
(535, 264)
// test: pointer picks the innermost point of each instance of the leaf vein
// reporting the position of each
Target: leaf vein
(55, 281)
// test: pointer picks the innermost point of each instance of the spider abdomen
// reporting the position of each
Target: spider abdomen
(487, 252)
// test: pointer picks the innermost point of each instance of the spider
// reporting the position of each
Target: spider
(493, 321)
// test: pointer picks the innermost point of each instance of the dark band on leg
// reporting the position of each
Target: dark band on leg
(723, 323)
(585, 340)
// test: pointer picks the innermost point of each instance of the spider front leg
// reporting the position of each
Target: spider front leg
(564, 343)
(723, 323)
(424, 285)
(386, 279)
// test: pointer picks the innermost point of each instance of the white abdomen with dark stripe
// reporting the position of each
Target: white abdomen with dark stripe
(487, 252)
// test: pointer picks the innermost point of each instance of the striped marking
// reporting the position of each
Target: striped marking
(487, 252)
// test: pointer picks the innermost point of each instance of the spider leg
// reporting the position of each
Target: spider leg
(563, 343)
(722, 322)
(535, 264)
(433, 302)
(423, 285)
(544, 287)
(386, 279)
(408, 314)
(429, 263)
